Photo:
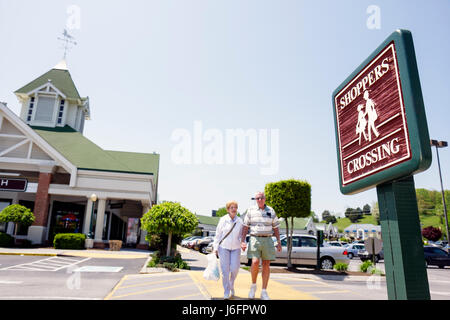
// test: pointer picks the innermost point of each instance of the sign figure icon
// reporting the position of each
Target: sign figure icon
(362, 123)
(371, 114)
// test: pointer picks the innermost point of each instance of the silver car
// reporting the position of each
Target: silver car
(304, 253)
(353, 249)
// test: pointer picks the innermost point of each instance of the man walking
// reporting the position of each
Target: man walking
(263, 223)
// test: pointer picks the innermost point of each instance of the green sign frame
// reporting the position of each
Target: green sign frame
(419, 139)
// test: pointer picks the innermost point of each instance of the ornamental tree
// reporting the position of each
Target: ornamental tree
(17, 214)
(168, 218)
(289, 198)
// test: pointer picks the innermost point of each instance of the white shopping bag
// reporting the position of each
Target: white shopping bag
(212, 270)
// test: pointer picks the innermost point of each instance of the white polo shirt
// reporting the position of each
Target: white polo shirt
(233, 240)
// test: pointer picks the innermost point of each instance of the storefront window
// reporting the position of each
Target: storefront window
(3, 204)
(67, 218)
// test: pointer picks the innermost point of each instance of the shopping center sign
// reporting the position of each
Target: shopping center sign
(18, 185)
(381, 128)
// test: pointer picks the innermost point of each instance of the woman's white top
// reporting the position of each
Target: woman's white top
(233, 240)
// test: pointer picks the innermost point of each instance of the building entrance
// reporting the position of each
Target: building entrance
(66, 218)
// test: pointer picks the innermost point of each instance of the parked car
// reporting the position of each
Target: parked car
(185, 241)
(337, 243)
(209, 247)
(191, 243)
(202, 243)
(354, 249)
(304, 253)
(435, 256)
(365, 255)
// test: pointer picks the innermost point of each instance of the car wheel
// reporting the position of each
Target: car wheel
(350, 255)
(441, 267)
(377, 258)
(249, 262)
(326, 263)
(203, 249)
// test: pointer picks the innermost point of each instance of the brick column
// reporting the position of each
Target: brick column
(42, 200)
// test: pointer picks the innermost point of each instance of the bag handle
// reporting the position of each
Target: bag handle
(227, 233)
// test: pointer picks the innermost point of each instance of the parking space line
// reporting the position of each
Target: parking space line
(72, 264)
(200, 287)
(147, 291)
(44, 265)
(116, 287)
(152, 282)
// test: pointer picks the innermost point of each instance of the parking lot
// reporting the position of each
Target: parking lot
(43, 278)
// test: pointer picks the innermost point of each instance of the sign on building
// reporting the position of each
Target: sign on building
(18, 185)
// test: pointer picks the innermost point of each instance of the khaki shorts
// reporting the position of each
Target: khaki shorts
(261, 248)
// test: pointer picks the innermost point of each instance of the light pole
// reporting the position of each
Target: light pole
(93, 199)
(441, 144)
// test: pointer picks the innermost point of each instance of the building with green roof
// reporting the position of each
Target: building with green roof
(71, 183)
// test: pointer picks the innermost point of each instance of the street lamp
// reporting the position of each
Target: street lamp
(93, 199)
(441, 144)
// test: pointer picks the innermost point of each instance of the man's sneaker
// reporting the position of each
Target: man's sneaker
(251, 294)
(226, 296)
(264, 295)
(232, 293)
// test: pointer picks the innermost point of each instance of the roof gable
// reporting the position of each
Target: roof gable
(61, 79)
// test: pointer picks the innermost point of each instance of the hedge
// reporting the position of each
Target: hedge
(6, 240)
(69, 241)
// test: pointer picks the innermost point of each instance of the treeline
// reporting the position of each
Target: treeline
(429, 202)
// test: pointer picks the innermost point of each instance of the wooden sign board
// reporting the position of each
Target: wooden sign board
(381, 128)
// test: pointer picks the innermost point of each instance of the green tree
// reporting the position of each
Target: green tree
(18, 214)
(376, 212)
(366, 209)
(169, 218)
(331, 219)
(325, 214)
(221, 212)
(289, 198)
(348, 212)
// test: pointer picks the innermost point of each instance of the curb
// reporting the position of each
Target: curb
(329, 277)
(30, 254)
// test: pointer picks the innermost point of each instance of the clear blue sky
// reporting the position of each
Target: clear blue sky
(151, 67)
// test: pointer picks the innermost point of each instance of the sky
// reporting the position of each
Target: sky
(162, 73)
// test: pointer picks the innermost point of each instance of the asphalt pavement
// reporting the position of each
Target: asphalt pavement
(122, 275)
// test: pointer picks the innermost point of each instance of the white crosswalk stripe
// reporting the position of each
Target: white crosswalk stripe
(48, 264)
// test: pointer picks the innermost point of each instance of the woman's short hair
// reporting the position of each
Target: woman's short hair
(229, 203)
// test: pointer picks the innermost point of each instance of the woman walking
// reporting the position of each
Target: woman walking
(227, 244)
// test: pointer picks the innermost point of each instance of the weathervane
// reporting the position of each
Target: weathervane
(68, 39)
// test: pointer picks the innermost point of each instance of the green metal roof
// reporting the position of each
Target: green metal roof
(61, 79)
(208, 220)
(85, 154)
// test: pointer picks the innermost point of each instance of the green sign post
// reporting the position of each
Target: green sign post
(382, 141)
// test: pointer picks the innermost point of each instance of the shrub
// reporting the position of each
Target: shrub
(6, 240)
(169, 262)
(69, 241)
(365, 265)
(341, 266)
(431, 233)
(24, 243)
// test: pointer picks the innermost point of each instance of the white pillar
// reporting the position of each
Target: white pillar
(87, 217)
(100, 219)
